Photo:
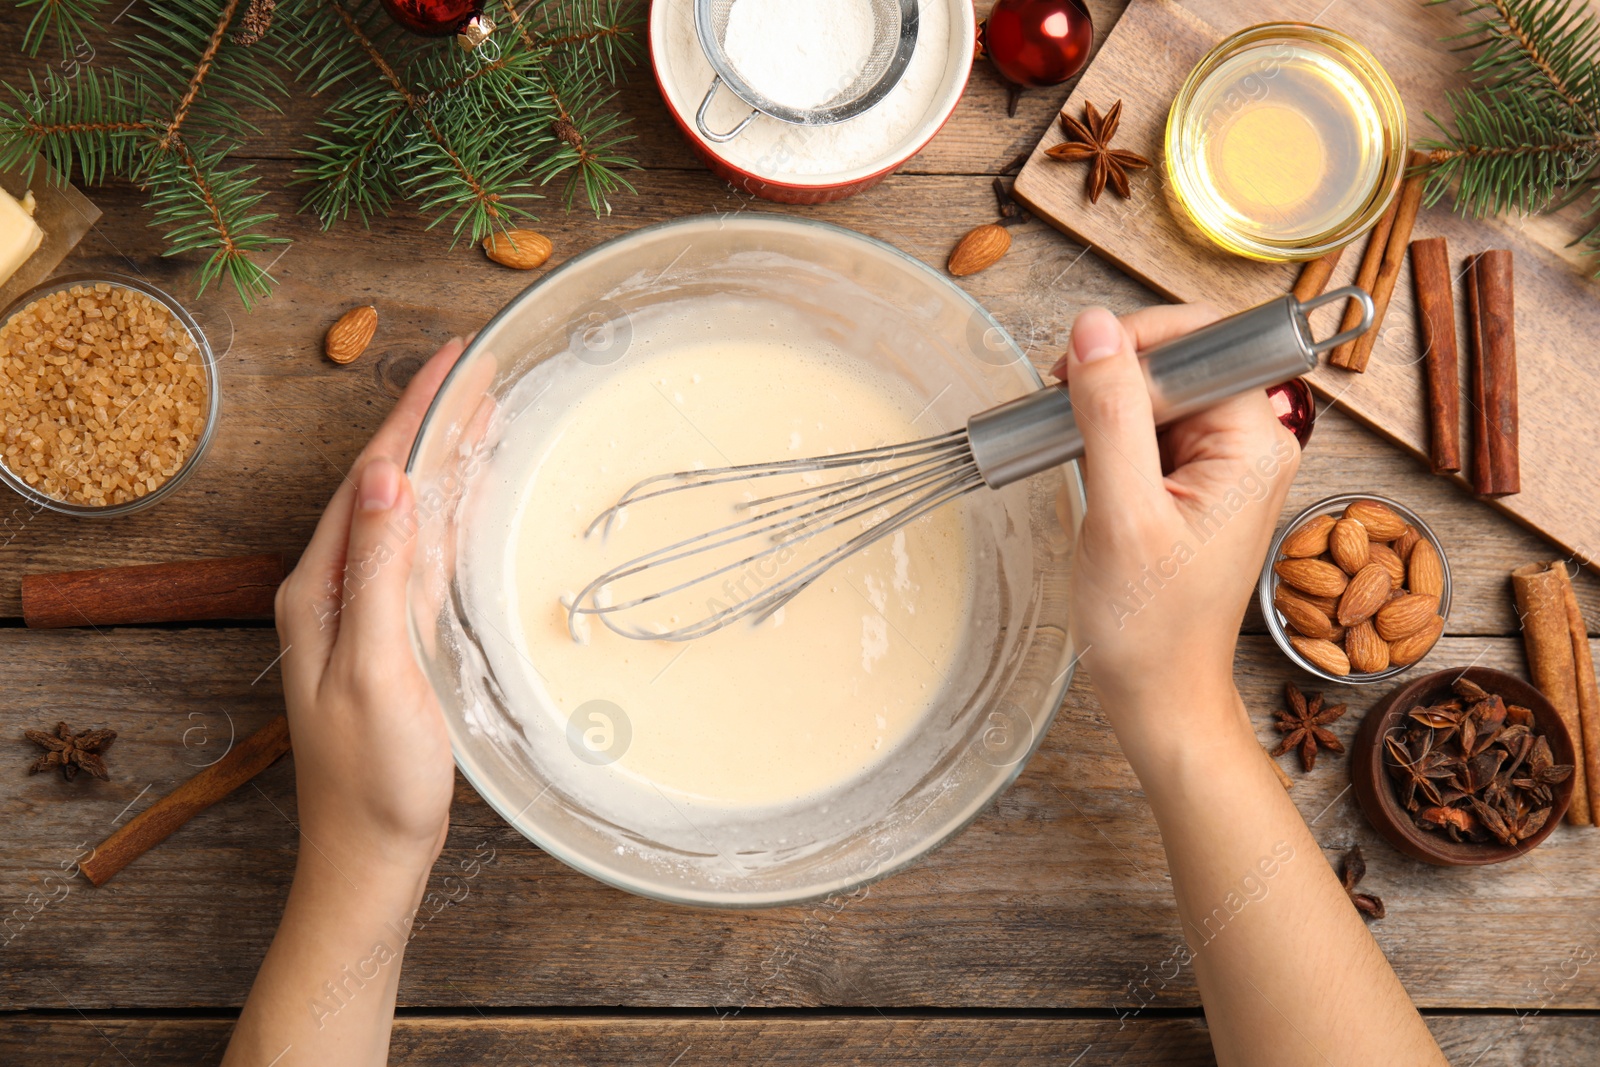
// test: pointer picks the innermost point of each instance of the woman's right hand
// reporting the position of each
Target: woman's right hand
(1177, 523)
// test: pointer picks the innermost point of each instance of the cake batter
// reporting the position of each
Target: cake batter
(753, 716)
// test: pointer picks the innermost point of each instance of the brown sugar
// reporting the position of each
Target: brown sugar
(102, 394)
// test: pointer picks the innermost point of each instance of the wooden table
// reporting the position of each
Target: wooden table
(1040, 935)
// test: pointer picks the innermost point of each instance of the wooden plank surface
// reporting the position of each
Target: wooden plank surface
(1056, 900)
(1145, 60)
(1058, 897)
(709, 1040)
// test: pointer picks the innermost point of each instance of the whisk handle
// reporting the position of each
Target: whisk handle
(1262, 346)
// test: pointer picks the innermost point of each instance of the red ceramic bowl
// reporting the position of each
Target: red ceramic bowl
(810, 189)
(1375, 791)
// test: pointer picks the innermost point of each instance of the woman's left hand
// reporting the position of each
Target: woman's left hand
(373, 768)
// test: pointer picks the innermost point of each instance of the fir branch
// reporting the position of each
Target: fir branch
(456, 174)
(203, 205)
(85, 126)
(198, 78)
(348, 166)
(587, 139)
(601, 32)
(68, 20)
(1525, 136)
(1545, 48)
(468, 136)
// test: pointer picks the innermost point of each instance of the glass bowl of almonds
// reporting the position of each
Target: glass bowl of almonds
(1356, 588)
(108, 395)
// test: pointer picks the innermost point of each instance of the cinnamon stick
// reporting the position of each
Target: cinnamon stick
(1436, 326)
(1394, 256)
(156, 823)
(1547, 639)
(1588, 690)
(1491, 315)
(237, 587)
(1315, 275)
(1366, 277)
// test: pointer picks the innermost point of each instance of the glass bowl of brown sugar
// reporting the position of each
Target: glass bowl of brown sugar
(108, 395)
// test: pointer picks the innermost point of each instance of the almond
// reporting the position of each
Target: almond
(1348, 544)
(1325, 654)
(349, 337)
(1315, 576)
(980, 249)
(1365, 594)
(1403, 544)
(1303, 616)
(1426, 569)
(518, 249)
(1367, 652)
(1405, 615)
(1328, 605)
(1407, 650)
(1310, 538)
(1380, 519)
(1378, 552)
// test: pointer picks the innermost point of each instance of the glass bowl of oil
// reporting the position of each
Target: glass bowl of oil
(1286, 142)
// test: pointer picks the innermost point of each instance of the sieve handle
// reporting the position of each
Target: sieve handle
(1267, 344)
(705, 105)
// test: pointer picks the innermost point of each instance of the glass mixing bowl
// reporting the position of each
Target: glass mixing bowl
(868, 301)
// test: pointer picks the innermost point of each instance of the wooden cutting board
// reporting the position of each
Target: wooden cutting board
(1144, 61)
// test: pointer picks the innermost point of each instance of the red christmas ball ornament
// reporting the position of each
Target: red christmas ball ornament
(1038, 42)
(1295, 407)
(442, 18)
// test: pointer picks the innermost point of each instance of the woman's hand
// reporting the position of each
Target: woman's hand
(1172, 542)
(372, 768)
(1177, 524)
(372, 757)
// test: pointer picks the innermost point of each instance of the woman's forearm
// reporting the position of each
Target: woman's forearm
(326, 991)
(1287, 970)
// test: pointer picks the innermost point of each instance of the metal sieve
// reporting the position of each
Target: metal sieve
(894, 37)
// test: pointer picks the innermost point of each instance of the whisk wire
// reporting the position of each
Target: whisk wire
(955, 440)
(942, 469)
(768, 601)
(864, 505)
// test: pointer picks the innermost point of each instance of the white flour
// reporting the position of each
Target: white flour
(781, 151)
(799, 52)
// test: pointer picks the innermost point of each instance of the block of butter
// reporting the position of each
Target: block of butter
(20, 236)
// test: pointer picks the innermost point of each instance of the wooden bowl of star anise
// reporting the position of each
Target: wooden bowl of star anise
(1463, 767)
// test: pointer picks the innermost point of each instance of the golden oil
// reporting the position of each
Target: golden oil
(1286, 141)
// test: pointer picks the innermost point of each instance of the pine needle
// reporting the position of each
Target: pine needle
(1525, 136)
(468, 137)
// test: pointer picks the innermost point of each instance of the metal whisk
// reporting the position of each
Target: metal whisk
(884, 489)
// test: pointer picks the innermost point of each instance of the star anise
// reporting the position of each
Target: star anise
(1444, 719)
(1472, 768)
(1511, 827)
(1352, 869)
(70, 751)
(1419, 767)
(1302, 724)
(1457, 823)
(1091, 140)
